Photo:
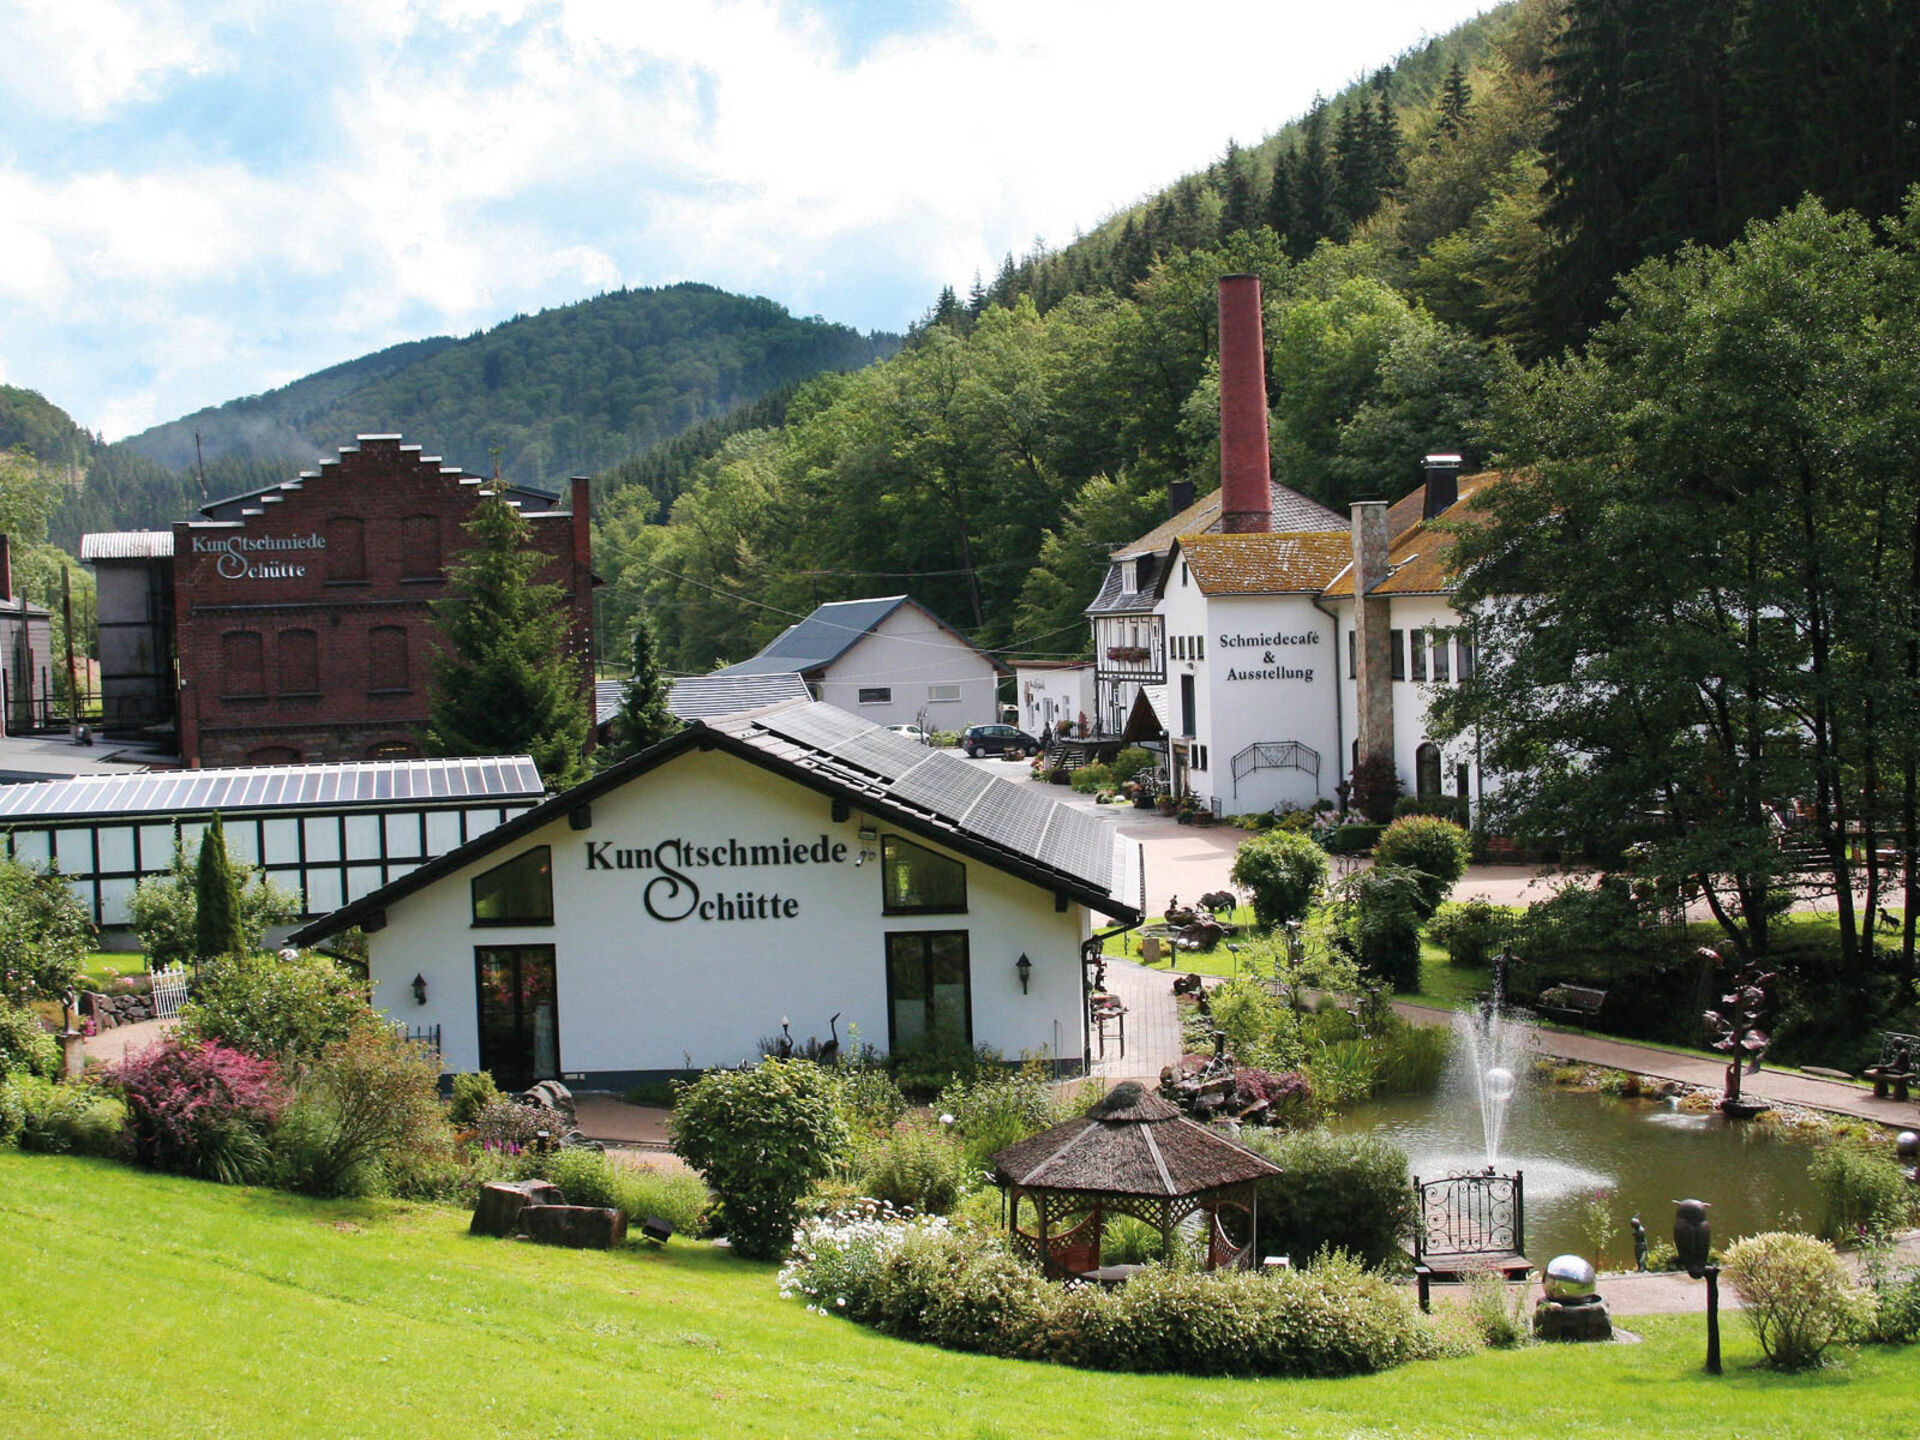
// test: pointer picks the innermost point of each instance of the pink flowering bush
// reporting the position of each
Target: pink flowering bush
(199, 1109)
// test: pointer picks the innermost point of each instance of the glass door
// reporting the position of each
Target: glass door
(929, 998)
(519, 1017)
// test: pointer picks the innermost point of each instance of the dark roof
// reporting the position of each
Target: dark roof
(1131, 1143)
(701, 697)
(1014, 827)
(814, 643)
(274, 787)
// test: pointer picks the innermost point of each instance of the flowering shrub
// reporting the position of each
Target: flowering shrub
(507, 1125)
(1795, 1294)
(922, 1279)
(199, 1109)
(1288, 1093)
(273, 1007)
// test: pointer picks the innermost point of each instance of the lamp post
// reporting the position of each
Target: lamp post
(1693, 1241)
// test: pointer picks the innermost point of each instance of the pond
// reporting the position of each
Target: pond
(1644, 1153)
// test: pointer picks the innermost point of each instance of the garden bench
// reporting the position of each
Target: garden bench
(1573, 1003)
(1894, 1073)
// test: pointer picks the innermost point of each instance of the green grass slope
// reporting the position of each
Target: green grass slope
(139, 1305)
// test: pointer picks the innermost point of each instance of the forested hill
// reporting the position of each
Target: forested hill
(564, 392)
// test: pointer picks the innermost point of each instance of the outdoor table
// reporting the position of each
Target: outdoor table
(1111, 1276)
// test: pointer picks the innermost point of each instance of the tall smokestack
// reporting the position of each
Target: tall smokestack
(1246, 478)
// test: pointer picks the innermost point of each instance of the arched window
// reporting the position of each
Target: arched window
(1426, 769)
(243, 670)
(420, 547)
(299, 662)
(346, 551)
(273, 755)
(387, 658)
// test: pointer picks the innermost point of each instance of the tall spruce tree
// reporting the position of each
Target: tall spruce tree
(506, 682)
(216, 898)
(644, 719)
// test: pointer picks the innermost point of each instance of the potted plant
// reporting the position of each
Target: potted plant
(1163, 802)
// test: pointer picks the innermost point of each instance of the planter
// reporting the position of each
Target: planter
(1165, 807)
(1143, 802)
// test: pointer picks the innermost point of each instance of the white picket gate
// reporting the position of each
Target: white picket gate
(169, 991)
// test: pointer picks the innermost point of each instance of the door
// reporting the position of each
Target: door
(929, 991)
(519, 1016)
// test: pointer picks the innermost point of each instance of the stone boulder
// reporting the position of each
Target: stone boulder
(578, 1227)
(502, 1204)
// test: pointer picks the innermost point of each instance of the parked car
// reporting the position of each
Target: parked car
(998, 740)
(911, 732)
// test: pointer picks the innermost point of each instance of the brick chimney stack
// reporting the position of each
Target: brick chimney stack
(1246, 493)
(1373, 637)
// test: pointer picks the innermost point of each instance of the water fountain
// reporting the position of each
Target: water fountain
(1489, 1055)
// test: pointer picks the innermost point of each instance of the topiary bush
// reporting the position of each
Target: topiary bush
(25, 1046)
(1795, 1294)
(1863, 1190)
(1283, 870)
(761, 1138)
(1339, 1192)
(1436, 850)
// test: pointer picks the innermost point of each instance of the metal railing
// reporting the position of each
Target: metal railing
(1275, 755)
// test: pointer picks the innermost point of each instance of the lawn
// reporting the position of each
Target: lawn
(260, 1315)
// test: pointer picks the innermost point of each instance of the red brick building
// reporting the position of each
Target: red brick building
(301, 612)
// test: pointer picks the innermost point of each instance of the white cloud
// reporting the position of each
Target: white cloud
(477, 159)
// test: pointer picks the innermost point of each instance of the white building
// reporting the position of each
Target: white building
(792, 864)
(1050, 691)
(889, 660)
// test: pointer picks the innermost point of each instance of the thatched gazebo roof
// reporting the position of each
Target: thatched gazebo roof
(1132, 1143)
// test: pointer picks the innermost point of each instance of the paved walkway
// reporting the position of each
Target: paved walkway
(1782, 1087)
(1153, 1025)
(109, 1047)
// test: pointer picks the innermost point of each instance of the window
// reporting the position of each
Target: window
(1397, 639)
(1442, 655)
(1466, 657)
(1460, 781)
(386, 658)
(1173, 643)
(519, 892)
(1188, 705)
(1426, 769)
(299, 662)
(938, 693)
(876, 695)
(1200, 758)
(929, 990)
(1418, 639)
(1183, 574)
(1353, 656)
(243, 671)
(420, 547)
(1199, 647)
(346, 551)
(917, 881)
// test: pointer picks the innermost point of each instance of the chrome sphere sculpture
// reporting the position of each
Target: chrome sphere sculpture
(1500, 1083)
(1568, 1277)
(1907, 1146)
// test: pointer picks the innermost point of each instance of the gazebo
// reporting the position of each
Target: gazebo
(1132, 1154)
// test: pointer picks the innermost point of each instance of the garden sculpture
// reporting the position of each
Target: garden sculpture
(830, 1052)
(1639, 1244)
(1217, 901)
(1734, 1031)
(784, 1046)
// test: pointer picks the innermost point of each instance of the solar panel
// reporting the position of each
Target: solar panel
(1011, 816)
(1079, 844)
(882, 752)
(820, 726)
(943, 784)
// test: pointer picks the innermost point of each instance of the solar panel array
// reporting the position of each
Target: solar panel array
(279, 787)
(965, 796)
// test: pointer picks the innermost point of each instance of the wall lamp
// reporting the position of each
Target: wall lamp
(1025, 967)
(419, 989)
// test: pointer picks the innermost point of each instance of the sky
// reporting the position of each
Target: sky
(207, 200)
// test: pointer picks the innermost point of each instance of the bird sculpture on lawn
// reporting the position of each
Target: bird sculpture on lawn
(830, 1052)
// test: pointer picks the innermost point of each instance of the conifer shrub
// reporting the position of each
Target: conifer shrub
(473, 1091)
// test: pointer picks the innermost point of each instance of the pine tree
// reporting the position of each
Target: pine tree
(1283, 212)
(1313, 179)
(1238, 210)
(644, 719)
(506, 682)
(1389, 164)
(216, 898)
(1456, 99)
